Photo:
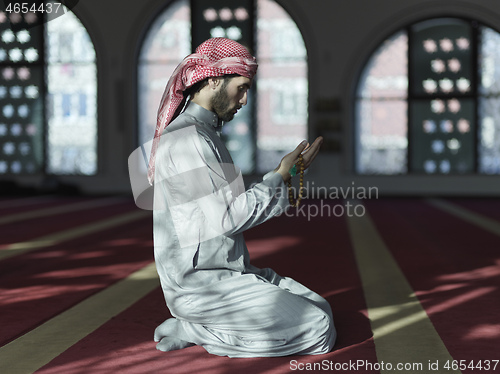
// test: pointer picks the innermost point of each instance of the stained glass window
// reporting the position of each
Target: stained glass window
(275, 119)
(167, 43)
(21, 100)
(449, 101)
(381, 110)
(72, 97)
(48, 95)
(282, 85)
(442, 82)
(489, 102)
(233, 20)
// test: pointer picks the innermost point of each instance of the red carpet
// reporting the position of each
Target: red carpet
(453, 266)
(38, 285)
(293, 247)
(33, 228)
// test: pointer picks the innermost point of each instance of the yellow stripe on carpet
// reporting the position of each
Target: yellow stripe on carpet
(58, 210)
(23, 201)
(38, 347)
(402, 331)
(52, 239)
(476, 219)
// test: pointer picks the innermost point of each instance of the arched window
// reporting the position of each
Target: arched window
(428, 101)
(71, 97)
(275, 119)
(48, 94)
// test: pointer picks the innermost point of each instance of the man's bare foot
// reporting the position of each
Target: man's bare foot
(167, 328)
(169, 343)
(166, 334)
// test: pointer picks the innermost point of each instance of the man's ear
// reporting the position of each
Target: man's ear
(214, 82)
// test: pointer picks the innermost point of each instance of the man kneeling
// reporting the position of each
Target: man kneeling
(201, 209)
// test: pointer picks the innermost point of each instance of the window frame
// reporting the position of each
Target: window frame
(474, 94)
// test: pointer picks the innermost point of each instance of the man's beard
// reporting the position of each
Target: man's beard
(220, 105)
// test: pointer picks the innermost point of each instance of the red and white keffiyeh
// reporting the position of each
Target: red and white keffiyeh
(213, 58)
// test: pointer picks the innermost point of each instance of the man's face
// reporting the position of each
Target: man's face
(230, 97)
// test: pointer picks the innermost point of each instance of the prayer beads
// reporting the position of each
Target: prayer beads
(295, 203)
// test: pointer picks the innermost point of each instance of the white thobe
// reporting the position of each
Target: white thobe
(220, 301)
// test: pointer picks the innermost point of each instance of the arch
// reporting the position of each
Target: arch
(424, 112)
(281, 105)
(72, 132)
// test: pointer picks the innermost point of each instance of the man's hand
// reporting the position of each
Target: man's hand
(309, 153)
